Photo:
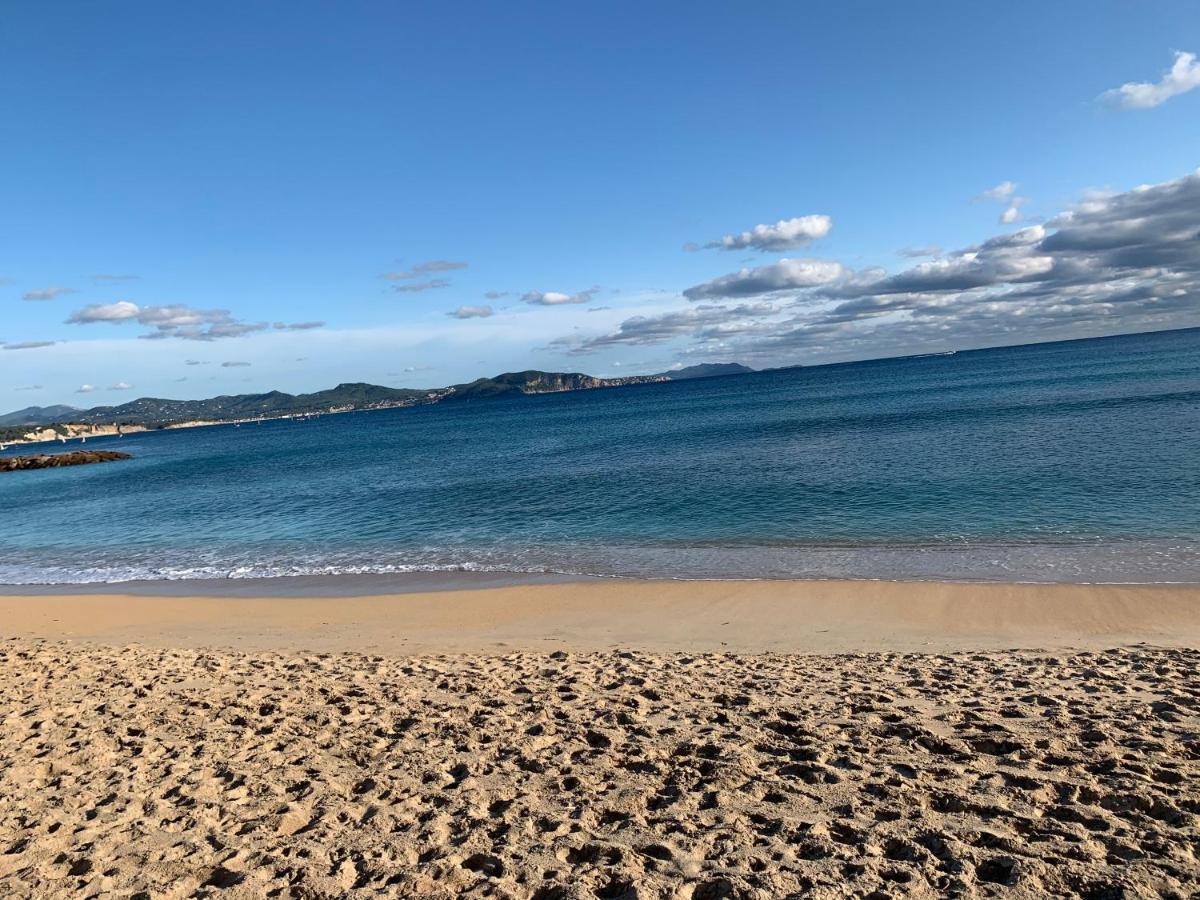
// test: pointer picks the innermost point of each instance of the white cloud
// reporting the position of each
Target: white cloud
(234, 364)
(172, 320)
(786, 234)
(47, 293)
(470, 312)
(120, 386)
(85, 389)
(120, 311)
(785, 275)
(1115, 262)
(1183, 76)
(297, 326)
(1005, 192)
(1000, 192)
(557, 298)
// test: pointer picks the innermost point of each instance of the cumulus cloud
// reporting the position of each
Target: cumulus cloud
(120, 386)
(1183, 76)
(234, 364)
(426, 268)
(495, 295)
(47, 293)
(85, 389)
(786, 234)
(470, 312)
(785, 275)
(557, 298)
(28, 345)
(1114, 262)
(415, 287)
(297, 326)
(172, 320)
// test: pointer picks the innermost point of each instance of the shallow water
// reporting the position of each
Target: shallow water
(1075, 461)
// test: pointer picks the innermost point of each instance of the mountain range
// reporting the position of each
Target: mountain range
(155, 412)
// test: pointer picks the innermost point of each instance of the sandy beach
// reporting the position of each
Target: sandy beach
(607, 739)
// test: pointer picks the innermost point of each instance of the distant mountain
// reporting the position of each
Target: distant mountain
(707, 370)
(534, 382)
(157, 412)
(37, 415)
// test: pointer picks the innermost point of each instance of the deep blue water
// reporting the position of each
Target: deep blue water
(1066, 461)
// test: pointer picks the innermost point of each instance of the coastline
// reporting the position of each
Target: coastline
(480, 615)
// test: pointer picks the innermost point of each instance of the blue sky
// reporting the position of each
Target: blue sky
(221, 177)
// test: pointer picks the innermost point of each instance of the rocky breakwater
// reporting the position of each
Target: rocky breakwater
(55, 460)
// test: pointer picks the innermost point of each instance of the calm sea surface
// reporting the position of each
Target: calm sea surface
(1073, 461)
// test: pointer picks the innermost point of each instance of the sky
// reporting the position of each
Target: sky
(200, 199)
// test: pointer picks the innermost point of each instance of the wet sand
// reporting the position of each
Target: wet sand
(598, 614)
(604, 740)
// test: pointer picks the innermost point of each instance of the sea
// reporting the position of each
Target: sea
(1074, 461)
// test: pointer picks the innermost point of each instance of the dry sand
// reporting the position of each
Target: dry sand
(439, 746)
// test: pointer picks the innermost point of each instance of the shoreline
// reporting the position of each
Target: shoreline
(479, 616)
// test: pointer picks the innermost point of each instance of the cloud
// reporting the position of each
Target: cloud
(1005, 192)
(102, 279)
(28, 345)
(696, 321)
(85, 389)
(120, 386)
(1183, 76)
(426, 268)
(120, 311)
(470, 312)
(173, 320)
(556, 298)
(418, 286)
(1114, 262)
(787, 274)
(194, 362)
(297, 326)
(786, 234)
(918, 252)
(28, 387)
(47, 293)
(1000, 192)
(495, 295)
(234, 364)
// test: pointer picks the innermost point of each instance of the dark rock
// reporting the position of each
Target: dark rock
(54, 460)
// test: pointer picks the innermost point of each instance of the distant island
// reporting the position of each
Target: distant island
(48, 423)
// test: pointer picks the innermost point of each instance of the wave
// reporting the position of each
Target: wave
(1133, 561)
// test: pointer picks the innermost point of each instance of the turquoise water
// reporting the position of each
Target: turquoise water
(1066, 461)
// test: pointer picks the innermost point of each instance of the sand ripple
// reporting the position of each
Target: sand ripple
(168, 773)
